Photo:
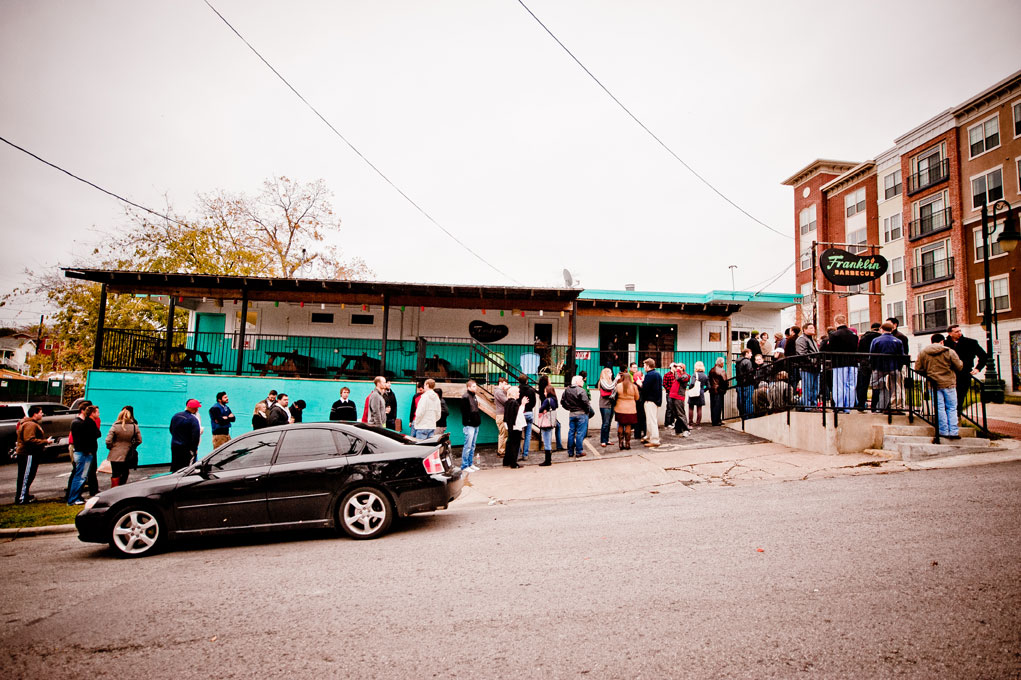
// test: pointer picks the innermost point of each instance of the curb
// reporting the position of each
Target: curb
(38, 531)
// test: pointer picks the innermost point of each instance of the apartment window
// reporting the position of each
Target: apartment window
(987, 189)
(892, 228)
(892, 184)
(859, 320)
(808, 219)
(896, 272)
(930, 253)
(857, 240)
(1000, 286)
(806, 258)
(994, 247)
(936, 311)
(855, 202)
(984, 136)
(1017, 119)
(858, 288)
(895, 309)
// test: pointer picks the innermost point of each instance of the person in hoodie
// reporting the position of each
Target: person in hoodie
(865, 367)
(887, 359)
(806, 346)
(576, 401)
(844, 341)
(940, 365)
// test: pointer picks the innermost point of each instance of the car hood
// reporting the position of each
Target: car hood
(140, 489)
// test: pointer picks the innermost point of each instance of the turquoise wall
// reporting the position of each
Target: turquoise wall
(156, 397)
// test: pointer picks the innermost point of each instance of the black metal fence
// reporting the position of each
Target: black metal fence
(832, 383)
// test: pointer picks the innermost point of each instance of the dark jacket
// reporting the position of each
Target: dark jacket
(790, 348)
(903, 339)
(888, 344)
(844, 341)
(745, 372)
(510, 412)
(865, 343)
(221, 418)
(444, 412)
(86, 434)
(184, 431)
(258, 422)
(968, 350)
(391, 400)
(717, 380)
(296, 412)
(470, 415)
(652, 387)
(754, 346)
(576, 401)
(31, 438)
(344, 410)
(527, 390)
(277, 415)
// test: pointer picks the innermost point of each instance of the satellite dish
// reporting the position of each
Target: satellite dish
(568, 279)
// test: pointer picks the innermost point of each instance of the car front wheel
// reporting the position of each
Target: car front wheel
(365, 513)
(136, 532)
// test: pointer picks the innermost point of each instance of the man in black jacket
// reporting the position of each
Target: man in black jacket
(527, 401)
(746, 382)
(968, 350)
(652, 398)
(845, 368)
(753, 344)
(278, 413)
(344, 408)
(865, 366)
(471, 419)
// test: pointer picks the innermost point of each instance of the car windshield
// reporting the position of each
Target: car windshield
(247, 452)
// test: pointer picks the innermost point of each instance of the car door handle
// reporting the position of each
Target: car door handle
(253, 478)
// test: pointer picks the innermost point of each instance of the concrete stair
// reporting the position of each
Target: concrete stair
(914, 443)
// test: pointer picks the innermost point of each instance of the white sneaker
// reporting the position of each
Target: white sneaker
(473, 468)
(687, 433)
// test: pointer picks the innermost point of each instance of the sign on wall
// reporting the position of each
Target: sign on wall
(843, 268)
(487, 333)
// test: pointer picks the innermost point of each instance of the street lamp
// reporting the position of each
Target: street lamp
(993, 388)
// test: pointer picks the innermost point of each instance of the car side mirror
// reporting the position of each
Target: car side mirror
(203, 468)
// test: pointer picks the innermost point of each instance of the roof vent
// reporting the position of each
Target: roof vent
(629, 287)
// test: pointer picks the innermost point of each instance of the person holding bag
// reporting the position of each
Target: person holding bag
(514, 416)
(625, 410)
(121, 440)
(607, 398)
(546, 421)
(696, 394)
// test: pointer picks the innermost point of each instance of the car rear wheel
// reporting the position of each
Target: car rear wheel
(136, 532)
(365, 513)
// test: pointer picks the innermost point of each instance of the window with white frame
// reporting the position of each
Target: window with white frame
(892, 184)
(1017, 119)
(854, 202)
(994, 247)
(806, 258)
(936, 310)
(895, 274)
(1000, 289)
(931, 214)
(859, 320)
(892, 228)
(858, 288)
(48, 345)
(808, 219)
(987, 189)
(857, 240)
(984, 136)
(896, 310)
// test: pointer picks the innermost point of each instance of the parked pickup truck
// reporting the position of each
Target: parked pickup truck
(56, 423)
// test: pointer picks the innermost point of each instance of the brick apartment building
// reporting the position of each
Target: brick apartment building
(918, 205)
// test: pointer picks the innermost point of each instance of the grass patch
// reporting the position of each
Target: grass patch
(37, 515)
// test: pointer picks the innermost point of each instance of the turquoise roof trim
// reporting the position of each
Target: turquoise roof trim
(717, 296)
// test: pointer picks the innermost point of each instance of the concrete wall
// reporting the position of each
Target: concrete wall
(854, 432)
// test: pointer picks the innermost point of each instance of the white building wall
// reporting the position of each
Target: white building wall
(892, 293)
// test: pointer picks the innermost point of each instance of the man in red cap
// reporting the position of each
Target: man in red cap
(185, 432)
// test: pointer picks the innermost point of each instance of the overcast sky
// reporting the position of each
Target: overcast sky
(479, 116)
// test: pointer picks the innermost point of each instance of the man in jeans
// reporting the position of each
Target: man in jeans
(652, 399)
(471, 419)
(809, 370)
(576, 401)
(500, 401)
(940, 365)
(745, 384)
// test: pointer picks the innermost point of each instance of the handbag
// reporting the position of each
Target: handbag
(696, 389)
(519, 421)
(545, 420)
(105, 467)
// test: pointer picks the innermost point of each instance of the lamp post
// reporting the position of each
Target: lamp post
(993, 388)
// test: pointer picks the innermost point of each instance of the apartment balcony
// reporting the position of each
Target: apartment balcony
(934, 322)
(930, 224)
(931, 176)
(931, 272)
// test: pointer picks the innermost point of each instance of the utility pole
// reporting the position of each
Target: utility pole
(733, 288)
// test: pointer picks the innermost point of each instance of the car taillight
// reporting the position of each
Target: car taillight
(433, 463)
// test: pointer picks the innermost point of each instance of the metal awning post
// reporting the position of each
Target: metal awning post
(386, 332)
(97, 355)
(168, 343)
(244, 324)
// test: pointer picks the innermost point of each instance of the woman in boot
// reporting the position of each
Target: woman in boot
(122, 437)
(625, 410)
(547, 423)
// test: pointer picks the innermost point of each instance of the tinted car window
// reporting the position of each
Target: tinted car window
(245, 453)
(307, 444)
(51, 409)
(11, 413)
(349, 445)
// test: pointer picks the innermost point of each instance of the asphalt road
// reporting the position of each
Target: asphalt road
(903, 575)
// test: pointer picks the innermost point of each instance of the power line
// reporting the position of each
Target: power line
(644, 127)
(94, 186)
(357, 152)
(772, 280)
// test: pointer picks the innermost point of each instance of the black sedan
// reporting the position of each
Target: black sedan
(346, 475)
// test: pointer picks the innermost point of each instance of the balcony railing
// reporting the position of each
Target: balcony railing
(931, 176)
(941, 220)
(931, 272)
(935, 321)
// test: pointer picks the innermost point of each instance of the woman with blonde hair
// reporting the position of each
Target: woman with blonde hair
(626, 409)
(122, 437)
(607, 395)
(696, 399)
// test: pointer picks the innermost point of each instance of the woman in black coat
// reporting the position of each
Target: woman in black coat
(510, 416)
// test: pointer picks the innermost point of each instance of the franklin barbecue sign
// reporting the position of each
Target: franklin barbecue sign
(842, 268)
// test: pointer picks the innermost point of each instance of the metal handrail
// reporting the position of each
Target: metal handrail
(937, 270)
(931, 176)
(941, 220)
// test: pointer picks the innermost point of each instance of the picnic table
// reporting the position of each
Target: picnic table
(357, 365)
(290, 364)
(186, 357)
